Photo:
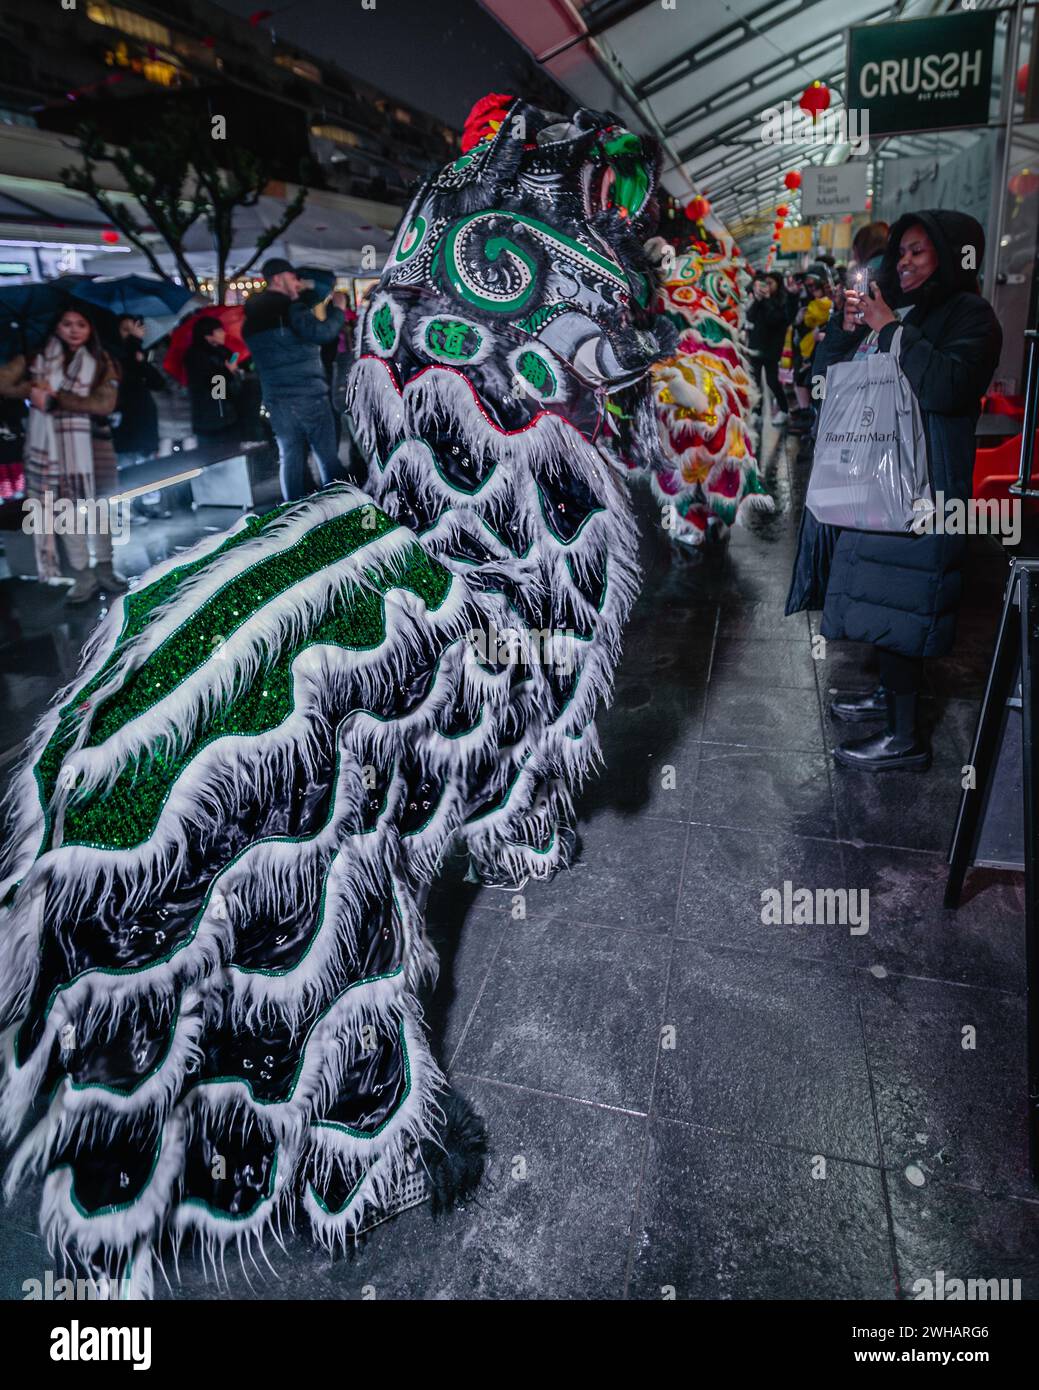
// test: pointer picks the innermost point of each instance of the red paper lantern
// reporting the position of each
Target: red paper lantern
(782, 210)
(109, 237)
(697, 209)
(1024, 184)
(792, 180)
(815, 99)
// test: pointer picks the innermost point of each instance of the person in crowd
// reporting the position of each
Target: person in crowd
(808, 332)
(767, 325)
(867, 252)
(899, 592)
(12, 448)
(869, 245)
(72, 386)
(285, 339)
(212, 380)
(136, 435)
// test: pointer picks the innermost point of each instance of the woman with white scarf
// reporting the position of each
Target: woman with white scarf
(71, 385)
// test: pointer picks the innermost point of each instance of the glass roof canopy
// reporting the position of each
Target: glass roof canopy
(700, 75)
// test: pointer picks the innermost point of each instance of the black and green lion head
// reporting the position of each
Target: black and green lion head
(521, 265)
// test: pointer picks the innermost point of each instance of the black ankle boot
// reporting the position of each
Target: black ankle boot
(853, 708)
(898, 747)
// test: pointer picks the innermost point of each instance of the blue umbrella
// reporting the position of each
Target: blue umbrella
(321, 284)
(142, 296)
(26, 313)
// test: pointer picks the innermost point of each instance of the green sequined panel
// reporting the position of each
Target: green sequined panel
(139, 608)
(126, 815)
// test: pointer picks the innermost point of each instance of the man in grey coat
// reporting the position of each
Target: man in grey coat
(285, 339)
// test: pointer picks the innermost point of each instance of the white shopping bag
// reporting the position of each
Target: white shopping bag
(870, 465)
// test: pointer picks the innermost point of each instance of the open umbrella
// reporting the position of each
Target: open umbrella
(26, 313)
(232, 316)
(145, 297)
(154, 329)
(319, 284)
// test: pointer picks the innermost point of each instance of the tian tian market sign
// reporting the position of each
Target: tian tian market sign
(835, 188)
(922, 74)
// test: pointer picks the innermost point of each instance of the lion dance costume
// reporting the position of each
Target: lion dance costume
(221, 842)
(706, 473)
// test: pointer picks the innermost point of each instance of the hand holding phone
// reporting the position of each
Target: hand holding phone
(858, 284)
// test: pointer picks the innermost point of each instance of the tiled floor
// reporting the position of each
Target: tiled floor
(680, 1097)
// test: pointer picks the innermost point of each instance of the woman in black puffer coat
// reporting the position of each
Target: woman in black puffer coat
(901, 592)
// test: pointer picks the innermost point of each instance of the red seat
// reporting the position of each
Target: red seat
(997, 467)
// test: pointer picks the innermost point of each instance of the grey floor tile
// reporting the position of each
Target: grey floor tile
(766, 1049)
(623, 878)
(727, 872)
(703, 1232)
(762, 716)
(756, 788)
(742, 618)
(651, 751)
(909, 810)
(466, 947)
(551, 1221)
(910, 933)
(571, 1011)
(951, 1112)
(23, 1253)
(947, 1233)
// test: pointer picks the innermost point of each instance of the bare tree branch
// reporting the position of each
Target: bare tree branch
(178, 176)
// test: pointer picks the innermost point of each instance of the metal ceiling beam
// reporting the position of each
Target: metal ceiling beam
(731, 37)
(749, 167)
(813, 52)
(740, 124)
(759, 160)
(596, 20)
(753, 185)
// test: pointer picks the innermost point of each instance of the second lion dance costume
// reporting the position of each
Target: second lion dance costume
(220, 845)
(703, 471)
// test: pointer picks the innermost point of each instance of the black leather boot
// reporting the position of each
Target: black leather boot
(898, 747)
(854, 708)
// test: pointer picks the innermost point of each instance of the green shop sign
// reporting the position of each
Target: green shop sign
(922, 74)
